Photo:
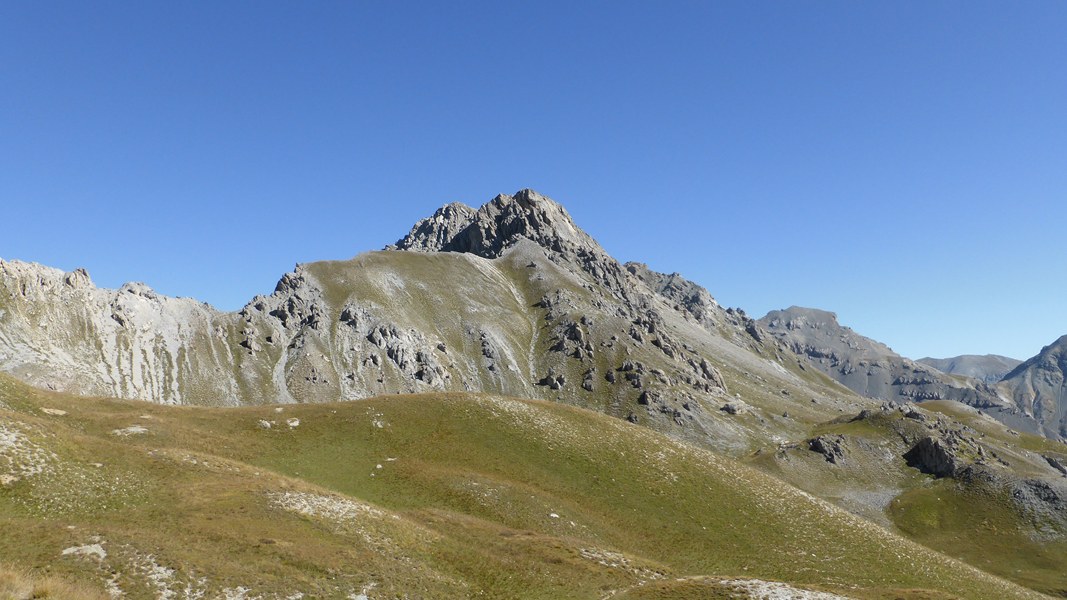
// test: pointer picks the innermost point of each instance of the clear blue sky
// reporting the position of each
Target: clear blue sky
(901, 163)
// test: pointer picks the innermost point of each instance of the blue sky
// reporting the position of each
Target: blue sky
(903, 164)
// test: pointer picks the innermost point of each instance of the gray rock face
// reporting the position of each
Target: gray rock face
(933, 456)
(507, 220)
(988, 368)
(58, 330)
(832, 447)
(434, 232)
(1037, 389)
(868, 367)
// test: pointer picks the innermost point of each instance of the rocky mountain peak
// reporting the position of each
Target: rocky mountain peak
(506, 221)
(435, 232)
(1051, 357)
(498, 225)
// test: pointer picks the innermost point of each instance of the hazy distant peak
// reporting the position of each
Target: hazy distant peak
(989, 368)
(800, 315)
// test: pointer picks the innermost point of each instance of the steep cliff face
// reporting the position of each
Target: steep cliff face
(58, 330)
(1037, 387)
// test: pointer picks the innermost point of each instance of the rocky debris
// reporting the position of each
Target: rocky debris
(20, 456)
(911, 413)
(587, 379)
(553, 380)
(656, 405)
(570, 339)
(131, 430)
(711, 376)
(55, 412)
(299, 303)
(94, 551)
(410, 352)
(1055, 463)
(832, 447)
(1041, 497)
(863, 415)
(734, 407)
(934, 456)
(632, 371)
(773, 590)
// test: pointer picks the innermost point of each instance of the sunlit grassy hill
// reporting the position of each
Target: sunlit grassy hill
(420, 496)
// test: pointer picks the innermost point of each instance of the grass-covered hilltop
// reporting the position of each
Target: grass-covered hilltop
(494, 407)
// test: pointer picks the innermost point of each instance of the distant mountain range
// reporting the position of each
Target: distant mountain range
(987, 368)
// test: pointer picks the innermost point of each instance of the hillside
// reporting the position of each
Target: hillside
(435, 495)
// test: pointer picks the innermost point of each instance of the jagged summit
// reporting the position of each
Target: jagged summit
(498, 225)
(436, 231)
(503, 223)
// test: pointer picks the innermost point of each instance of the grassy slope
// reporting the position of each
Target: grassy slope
(475, 496)
(975, 523)
(980, 526)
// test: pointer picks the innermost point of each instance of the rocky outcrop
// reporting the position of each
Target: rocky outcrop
(832, 447)
(435, 232)
(935, 457)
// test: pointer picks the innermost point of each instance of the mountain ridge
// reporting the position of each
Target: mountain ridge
(987, 368)
(510, 298)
